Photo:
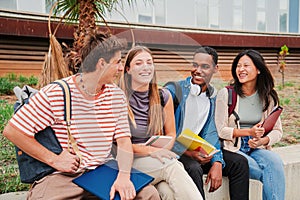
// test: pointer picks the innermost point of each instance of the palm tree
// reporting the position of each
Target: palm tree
(85, 12)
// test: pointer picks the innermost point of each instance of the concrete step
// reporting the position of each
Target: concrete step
(14, 196)
(290, 156)
(255, 191)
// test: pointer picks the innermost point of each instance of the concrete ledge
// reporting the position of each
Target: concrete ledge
(290, 156)
(255, 191)
(14, 196)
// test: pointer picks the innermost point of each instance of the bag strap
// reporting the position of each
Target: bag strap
(232, 99)
(178, 93)
(161, 96)
(67, 116)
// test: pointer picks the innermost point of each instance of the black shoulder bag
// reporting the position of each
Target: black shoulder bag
(31, 169)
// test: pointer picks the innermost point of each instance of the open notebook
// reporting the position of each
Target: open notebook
(100, 180)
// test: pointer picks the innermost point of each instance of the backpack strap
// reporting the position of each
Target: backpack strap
(161, 96)
(67, 115)
(178, 93)
(232, 99)
(67, 99)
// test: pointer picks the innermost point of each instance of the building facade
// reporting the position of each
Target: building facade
(272, 16)
(172, 29)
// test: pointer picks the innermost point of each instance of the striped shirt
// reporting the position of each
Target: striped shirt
(95, 122)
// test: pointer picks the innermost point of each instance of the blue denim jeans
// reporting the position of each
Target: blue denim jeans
(267, 167)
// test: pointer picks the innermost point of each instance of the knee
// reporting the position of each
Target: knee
(276, 163)
(148, 193)
(238, 161)
(237, 165)
(164, 190)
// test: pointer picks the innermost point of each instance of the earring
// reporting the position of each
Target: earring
(258, 72)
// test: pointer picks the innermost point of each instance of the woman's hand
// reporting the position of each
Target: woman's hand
(257, 142)
(257, 131)
(161, 153)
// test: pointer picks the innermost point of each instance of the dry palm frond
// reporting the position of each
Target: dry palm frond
(54, 66)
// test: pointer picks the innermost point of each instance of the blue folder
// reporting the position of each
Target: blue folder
(100, 180)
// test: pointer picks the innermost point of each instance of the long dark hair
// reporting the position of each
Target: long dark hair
(155, 114)
(264, 82)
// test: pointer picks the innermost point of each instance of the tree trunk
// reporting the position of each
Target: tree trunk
(283, 78)
(87, 24)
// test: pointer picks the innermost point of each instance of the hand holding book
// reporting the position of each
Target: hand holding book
(270, 121)
(194, 142)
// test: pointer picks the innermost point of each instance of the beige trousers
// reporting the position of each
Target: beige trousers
(61, 187)
(173, 173)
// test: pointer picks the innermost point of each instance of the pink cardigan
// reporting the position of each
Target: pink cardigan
(226, 125)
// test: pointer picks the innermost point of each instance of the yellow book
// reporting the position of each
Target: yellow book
(194, 142)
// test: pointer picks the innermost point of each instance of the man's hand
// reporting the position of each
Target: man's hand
(66, 162)
(124, 186)
(214, 176)
(201, 158)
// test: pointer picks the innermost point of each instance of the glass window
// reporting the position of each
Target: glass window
(261, 15)
(283, 22)
(283, 4)
(238, 14)
(145, 13)
(213, 14)
(48, 6)
(202, 13)
(145, 19)
(159, 8)
(261, 21)
(261, 4)
(283, 15)
(237, 19)
(8, 4)
(237, 3)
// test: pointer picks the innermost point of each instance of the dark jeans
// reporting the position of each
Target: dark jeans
(236, 169)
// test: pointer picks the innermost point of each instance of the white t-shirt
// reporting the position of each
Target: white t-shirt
(196, 112)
